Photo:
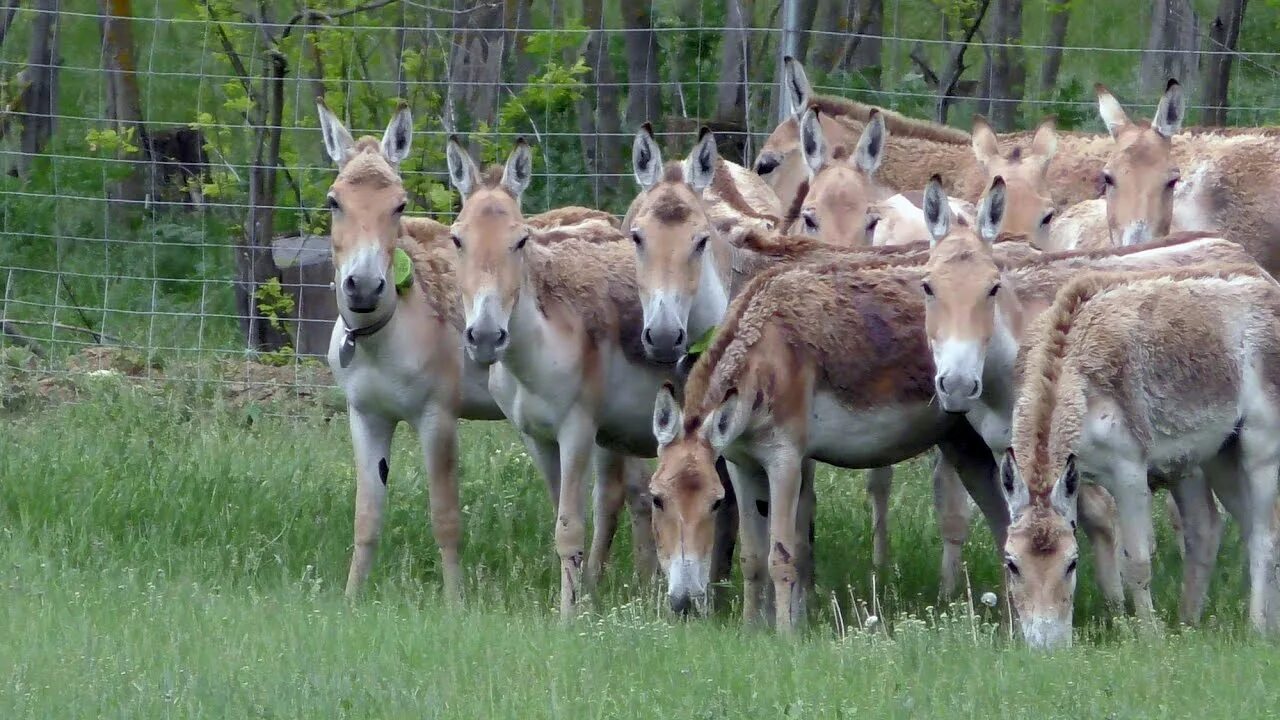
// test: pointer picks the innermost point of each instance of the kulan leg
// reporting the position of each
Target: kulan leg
(1260, 461)
(806, 515)
(1201, 533)
(1096, 510)
(952, 509)
(610, 493)
(644, 550)
(879, 485)
(751, 485)
(577, 444)
(784, 470)
(726, 528)
(1133, 505)
(438, 434)
(371, 440)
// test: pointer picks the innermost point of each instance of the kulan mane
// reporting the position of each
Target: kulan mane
(1042, 378)
(368, 166)
(898, 124)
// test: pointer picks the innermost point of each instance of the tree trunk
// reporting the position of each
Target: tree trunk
(845, 45)
(254, 264)
(1059, 14)
(731, 91)
(7, 14)
(949, 79)
(518, 19)
(475, 67)
(1224, 33)
(1007, 65)
(644, 101)
(1172, 46)
(39, 101)
(124, 101)
(598, 124)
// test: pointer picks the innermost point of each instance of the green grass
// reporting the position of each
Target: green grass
(166, 554)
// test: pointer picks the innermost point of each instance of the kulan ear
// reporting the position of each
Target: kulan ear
(1171, 111)
(518, 171)
(1066, 489)
(985, 146)
(646, 158)
(700, 167)
(870, 150)
(463, 172)
(1113, 116)
(991, 211)
(1044, 145)
(399, 135)
(667, 418)
(812, 141)
(795, 85)
(725, 423)
(337, 140)
(937, 211)
(1016, 495)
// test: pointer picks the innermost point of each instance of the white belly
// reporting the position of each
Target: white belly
(867, 439)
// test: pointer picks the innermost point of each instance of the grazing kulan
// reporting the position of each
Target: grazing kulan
(559, 327)
(1174, 374)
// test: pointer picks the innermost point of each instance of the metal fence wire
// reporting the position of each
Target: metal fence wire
(150, 147)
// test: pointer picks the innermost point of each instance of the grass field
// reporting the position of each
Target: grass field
(167, 554)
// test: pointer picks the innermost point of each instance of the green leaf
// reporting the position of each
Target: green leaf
(700, 345)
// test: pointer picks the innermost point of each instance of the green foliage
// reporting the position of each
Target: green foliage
(110, 141)
(274, 303)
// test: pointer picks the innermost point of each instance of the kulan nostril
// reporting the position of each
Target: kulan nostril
(502, 336)
(471, 336)
(679, 336)
(648, 336)
(942, 383)
(977, 388)
(349, 284)
(382, 284)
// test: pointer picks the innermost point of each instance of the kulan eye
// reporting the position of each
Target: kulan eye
(927, 288)
(1012, 567)
(657, 502)
(457, 241)
(994, 289)
(1071, 567)
(715, 506)
(331, 203)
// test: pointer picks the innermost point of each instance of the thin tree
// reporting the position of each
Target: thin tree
(1007, 65)
(124, 100)
(1224, 35)
(644, 102)
(37, 104)
(1059, 16)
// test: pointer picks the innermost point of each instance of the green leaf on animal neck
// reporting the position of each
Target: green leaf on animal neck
(402, 267)
(700, 345)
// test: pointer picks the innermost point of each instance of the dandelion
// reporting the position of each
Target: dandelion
(989, 599)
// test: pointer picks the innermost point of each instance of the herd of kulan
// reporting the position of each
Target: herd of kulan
(1073, 321)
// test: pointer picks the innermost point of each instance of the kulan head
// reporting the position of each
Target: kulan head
(491, 236)
(1041, 553)
(366, 201)
(1029, 207)
(1139, 179)
(687, 492)
(961, 288)
(842, 186)
(672, 234)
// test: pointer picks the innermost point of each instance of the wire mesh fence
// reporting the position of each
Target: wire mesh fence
(165, 178)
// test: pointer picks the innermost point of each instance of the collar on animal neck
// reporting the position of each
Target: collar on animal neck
(347, 350)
